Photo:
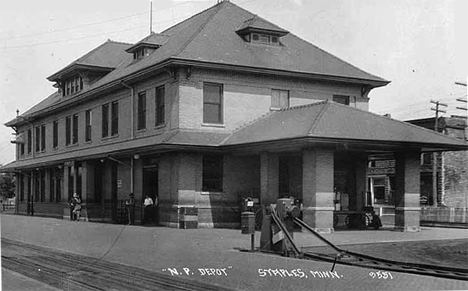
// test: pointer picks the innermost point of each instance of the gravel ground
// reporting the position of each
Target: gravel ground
(448, 253)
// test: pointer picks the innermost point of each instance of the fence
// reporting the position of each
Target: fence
(444, 215)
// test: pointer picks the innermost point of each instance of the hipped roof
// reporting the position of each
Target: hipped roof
(209, 38)
(328, 120)
(108, 55)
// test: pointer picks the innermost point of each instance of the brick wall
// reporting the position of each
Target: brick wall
(247, 97)
(456, 178)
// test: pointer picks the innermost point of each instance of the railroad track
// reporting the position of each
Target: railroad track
(344, 257)
(69, 271)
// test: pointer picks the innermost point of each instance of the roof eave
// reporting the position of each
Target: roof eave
(247, 30)
(132, 49)
(370, 144)
(211, 65)
(67, 70)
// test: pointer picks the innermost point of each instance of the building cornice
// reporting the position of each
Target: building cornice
(180, 62)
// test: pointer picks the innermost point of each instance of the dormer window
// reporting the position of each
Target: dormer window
(139, 54)
(260, 31)
(147, 46)
(72, 85)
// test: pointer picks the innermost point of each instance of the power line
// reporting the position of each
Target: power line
(72, 28)
(88, 24)
(88, 36)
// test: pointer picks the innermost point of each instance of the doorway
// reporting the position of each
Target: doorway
(150, 189)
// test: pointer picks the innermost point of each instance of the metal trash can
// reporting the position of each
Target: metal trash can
(248, 222)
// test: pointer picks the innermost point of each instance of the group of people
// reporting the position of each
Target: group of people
(75, 207)
(149, 205)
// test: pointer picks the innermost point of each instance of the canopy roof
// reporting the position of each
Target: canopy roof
(323, 123)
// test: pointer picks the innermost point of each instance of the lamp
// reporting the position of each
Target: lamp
(136, 156)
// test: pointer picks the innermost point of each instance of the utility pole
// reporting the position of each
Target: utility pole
(434, 155)
(464, 108)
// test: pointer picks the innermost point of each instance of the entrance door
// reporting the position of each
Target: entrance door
(150, 188)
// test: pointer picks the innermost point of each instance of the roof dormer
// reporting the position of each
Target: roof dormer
(258, 30)
(94, 65)
(147, 45)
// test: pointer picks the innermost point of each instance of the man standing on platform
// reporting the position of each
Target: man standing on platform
(148, 209)
(131, 209)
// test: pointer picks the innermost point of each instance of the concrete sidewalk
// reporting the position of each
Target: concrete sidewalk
(159, 249)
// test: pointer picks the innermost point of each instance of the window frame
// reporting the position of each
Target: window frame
(105, 120)
(43, 138)
(75, 129)
(114, 118)
(21, 145)
(212, 173)
(141, 110)
(280, 92)
(38, 139)
(220, 118)
(336, 98)
(160, 100)
(88, 125)
(68, 130)
(55, 134)
(29, 141)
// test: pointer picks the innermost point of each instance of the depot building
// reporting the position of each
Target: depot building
(221, 106)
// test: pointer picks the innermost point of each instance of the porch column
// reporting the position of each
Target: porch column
(407, 188)
(75, 180)
(87, 182)
(47, 189)
(269, 178)
(65, 194)
(361, 181)
(317, 189)
(87, 189)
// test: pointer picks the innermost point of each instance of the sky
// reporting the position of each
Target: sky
(421, 46)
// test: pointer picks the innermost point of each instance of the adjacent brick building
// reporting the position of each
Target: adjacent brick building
(218, 107)
(451, 171)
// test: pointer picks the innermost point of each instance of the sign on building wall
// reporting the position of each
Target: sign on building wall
(119, 183)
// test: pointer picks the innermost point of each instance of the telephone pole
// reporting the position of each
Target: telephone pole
(437, 109)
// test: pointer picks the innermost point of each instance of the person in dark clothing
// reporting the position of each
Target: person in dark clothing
(376, 223)
(130, 203)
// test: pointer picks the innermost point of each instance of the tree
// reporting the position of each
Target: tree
(7, 185)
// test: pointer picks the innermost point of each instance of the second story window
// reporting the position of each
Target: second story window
(88, 124)
(160, 100)
(279, 98)
(141, 121)
(105, 120)
(55, 135)
(75, 129)
(67, 130)
(43, 137)
(38, 139)
(22, 144)
(212, 103)
(342, 99)
(29, 140)
(115, 118)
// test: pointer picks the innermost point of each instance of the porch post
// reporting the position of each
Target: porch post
(87, 188)
(47, 189)
(361, 181)
(407, 192)
(317, 189)
(269, 178)
(65, 193)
